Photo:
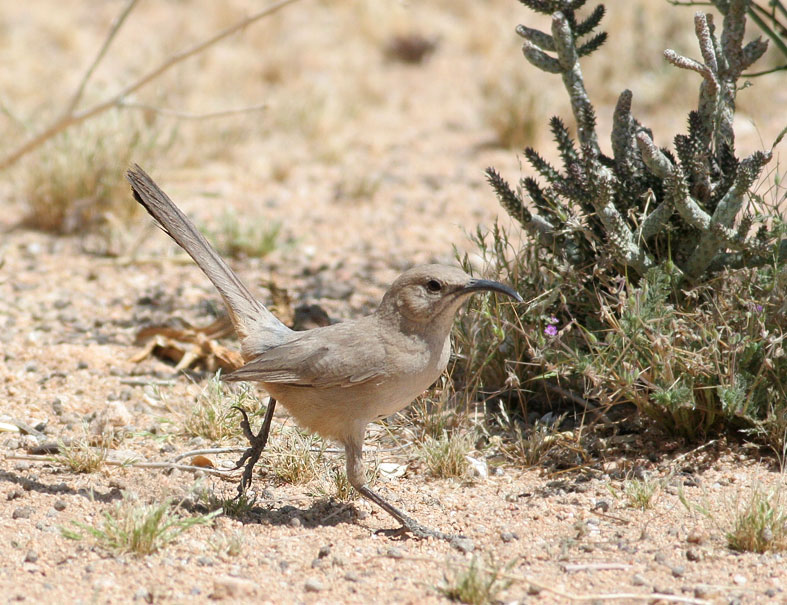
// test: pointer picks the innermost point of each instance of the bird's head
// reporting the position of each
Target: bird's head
(434, 293)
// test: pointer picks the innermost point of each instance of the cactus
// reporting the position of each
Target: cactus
(644, 206)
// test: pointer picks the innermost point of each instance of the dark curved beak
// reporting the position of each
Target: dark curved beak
(475, 285)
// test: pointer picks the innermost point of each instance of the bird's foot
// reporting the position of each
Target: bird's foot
(252, 454)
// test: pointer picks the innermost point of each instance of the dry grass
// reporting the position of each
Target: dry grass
(475, 584)
(760, 525)
(139, 529)
(76, 181)
(292, 458)
(446, 456)
(212, 415)
(83, 455)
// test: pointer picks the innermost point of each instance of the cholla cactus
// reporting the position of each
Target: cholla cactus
(644, 206)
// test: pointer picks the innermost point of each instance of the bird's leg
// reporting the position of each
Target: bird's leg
(256, 443)
(357, 478)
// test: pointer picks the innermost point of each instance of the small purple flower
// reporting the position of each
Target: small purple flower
(552, 320)
(758, 308)
(550, 330)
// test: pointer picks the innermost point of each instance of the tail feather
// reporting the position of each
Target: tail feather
(257, 328)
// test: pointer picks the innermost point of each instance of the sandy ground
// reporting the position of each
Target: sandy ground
(370, 166)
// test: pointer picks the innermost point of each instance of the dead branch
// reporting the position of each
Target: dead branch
(71, 117)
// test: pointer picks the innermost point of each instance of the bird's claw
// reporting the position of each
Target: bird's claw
(252, 453)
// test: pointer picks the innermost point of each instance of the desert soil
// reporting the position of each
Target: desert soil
(379, 171)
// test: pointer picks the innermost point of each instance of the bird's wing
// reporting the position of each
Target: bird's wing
(341, 355)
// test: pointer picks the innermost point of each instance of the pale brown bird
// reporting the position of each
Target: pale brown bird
(336, 379)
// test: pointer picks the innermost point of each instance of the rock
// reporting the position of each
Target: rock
(313, 585)
(31, 556)
(143, 594)
(508, 536)
(739, 580)
(692, 554)
(57, 407)
(638, 580)
(225, 587)
(395, 553)
(113, 416)
(696, 536)
(351, 576)
(678, 571)
(59, 505)
(463, 545)
(295, 522)
(701, 591)
(324, 551)
(22, 512)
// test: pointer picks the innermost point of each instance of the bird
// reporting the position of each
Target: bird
(336, 379)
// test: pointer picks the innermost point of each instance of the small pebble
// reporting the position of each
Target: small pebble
(395, 553)
(739, 580)
(678, 571)
(663, 590)
(351, 576)
(692, 554)
(638, 580)
(696, 536)
(701, 591)
(508, 536)
(296, 522)
(59, 505)
(205, 561)
(23, 512)
(31, 556)
(143, 594)
(313, 585)
(463, 545)
(324, 551)
(602, 505)
(14, 494)
(57, 407)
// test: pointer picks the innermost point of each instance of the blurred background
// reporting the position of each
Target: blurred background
(364, 125)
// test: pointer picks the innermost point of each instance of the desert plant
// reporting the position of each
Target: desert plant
(646, 282)
(83, 454)
(140, 529)
(644, 206)
(75, 182)
(235, 236)
(291, 457)
(721, 364)
(761, 524)
(476, 584)
(236, 506)
(767, 17)
(640, 492)
(445, 456)
(213, 415)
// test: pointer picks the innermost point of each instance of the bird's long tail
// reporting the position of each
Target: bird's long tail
(256, 327)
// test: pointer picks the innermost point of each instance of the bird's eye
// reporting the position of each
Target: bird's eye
(433, 285)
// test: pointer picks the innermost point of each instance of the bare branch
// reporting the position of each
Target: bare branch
(182, 115)
(116, 25)
(73, 118)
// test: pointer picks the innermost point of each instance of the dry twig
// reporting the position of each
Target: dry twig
(72, 117)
